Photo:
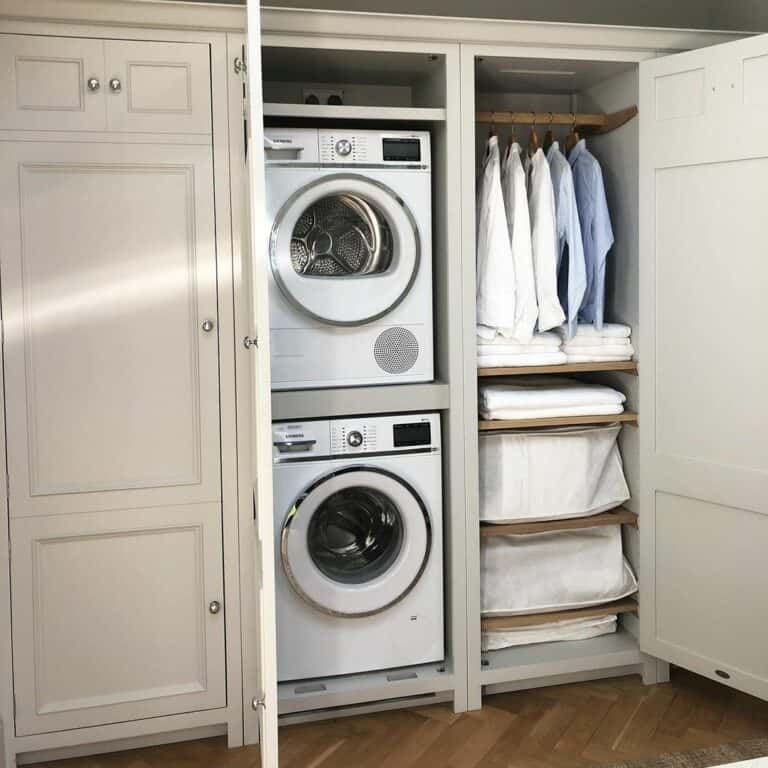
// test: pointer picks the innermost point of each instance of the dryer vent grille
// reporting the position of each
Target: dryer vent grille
(396, 350)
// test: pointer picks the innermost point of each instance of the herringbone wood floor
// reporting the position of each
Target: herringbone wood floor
(568, 726)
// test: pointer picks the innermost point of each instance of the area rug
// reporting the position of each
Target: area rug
(704, 758)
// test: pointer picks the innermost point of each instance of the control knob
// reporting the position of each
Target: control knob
(354, 439)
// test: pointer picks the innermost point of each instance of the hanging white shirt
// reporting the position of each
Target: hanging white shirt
(596, 230)
(568, 234)
(519, 225)
(495, 269)
(541, 203)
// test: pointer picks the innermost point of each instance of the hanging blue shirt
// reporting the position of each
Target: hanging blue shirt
(596, 230)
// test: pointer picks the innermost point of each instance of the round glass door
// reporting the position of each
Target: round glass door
(344, 249)
(356, 542)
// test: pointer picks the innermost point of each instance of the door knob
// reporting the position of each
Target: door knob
(115, 85)
(207, 325)
(214, 607)
(93, 84)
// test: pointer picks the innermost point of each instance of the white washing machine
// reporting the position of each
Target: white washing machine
(359, 544)
(350, 252)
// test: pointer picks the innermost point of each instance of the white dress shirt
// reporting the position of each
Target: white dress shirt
(596, 230)
(572, 278)
(541, 203)
(495, 268)
(519, 225)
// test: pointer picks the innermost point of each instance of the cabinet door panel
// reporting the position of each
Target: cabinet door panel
(704, 514)
(164, 87)
(111, 616)
(43, 83)
(108, 274)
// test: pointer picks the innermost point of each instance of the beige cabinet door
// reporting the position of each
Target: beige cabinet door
(110, 326)
(51, 83)
(158, 87)
(116, 616)
(704, 272)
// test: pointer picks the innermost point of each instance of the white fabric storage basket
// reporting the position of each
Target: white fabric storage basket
(545, 572)
(554, 632)
(550, 474)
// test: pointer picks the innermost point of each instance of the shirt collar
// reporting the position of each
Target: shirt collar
(554, 147)
(580, 147)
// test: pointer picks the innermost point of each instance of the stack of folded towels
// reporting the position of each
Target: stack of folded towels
(503, 352)
(589, 345)
(540, 397)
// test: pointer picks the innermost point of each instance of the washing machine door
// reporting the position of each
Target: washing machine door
(345, 249)
(356, 542)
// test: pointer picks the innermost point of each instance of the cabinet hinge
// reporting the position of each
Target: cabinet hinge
(240, 66)
(251, 341)
(258, 703)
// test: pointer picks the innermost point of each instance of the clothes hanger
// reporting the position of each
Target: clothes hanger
(572, 139)
(512, 136)
(548, 137)
(492, 127)
(533, 139)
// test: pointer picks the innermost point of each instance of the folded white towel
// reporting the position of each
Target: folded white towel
(547, 339)
(609, 330)
(546, 392)
(596, 341)
(551, 632)
(599, 351)
(553, 412)
(517, 349)
(511, 361)
(573, 358)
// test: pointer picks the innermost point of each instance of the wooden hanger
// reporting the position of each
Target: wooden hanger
(492, 127)
(548, 136)
(533, 140)
(512, 137)
(573, 138)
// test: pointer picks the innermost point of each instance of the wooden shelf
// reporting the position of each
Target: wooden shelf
(629, 366)
(348, 112)
(593, 122)
(619, 516)
(628, 417)
(499, 623)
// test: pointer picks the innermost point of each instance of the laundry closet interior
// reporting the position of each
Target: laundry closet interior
(372, 505)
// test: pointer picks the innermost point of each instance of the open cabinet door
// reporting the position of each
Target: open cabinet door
(265, 703)
(704, 361)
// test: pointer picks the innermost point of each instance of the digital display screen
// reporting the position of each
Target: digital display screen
(402, 150)
(409, 435)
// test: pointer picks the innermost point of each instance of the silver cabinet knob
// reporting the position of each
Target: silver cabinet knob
(93, 84)
(207, 325)
(115, 85)
(214, 607)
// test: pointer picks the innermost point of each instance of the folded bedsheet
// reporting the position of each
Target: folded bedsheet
(600, 351)
(516, 471)
(597, 341)
(574, 358)
(547, 339)
(544, 572)
(609, 330)
(511, 360)
(557, 631)
(550, 393)
(512, 414)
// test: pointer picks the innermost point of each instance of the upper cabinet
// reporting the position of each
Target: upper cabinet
(68, 84)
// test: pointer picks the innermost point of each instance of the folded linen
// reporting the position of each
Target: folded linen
(546, 339)
(547, 392)
(572, 358)
(517, 349)
(552, 632)
(596, 341)
(513, 360)
(609, 330)
(599, 350)
(517, 414)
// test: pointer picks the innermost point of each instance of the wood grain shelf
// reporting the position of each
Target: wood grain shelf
(628, 417)
(618, 516)
(628, 366)
(350, 112)
(500, 623)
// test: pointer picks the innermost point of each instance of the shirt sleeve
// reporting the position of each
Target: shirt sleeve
(602, 239)
(577, 269)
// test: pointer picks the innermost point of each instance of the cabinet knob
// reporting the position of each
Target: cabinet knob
(115, 85)
(214, 607)
(93, 84)
(207, 325)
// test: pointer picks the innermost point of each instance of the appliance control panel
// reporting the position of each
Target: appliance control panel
(397, 148)
(295, 441)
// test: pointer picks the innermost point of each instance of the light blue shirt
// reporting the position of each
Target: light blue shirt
(572, 279)
(596, 230)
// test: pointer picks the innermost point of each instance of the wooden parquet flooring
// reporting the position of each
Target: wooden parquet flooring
(567, 726)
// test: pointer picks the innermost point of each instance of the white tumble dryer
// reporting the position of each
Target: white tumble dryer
(358, 540)
(350, 254)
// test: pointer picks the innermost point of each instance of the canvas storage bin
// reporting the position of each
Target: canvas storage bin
(550, 474)
(545, 572)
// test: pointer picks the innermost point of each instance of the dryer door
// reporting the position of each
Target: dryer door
(356, 542)
(344, 249)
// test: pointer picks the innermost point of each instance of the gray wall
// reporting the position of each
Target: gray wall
(748, 15)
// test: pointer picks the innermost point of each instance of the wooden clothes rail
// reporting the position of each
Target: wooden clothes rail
(592, 122)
